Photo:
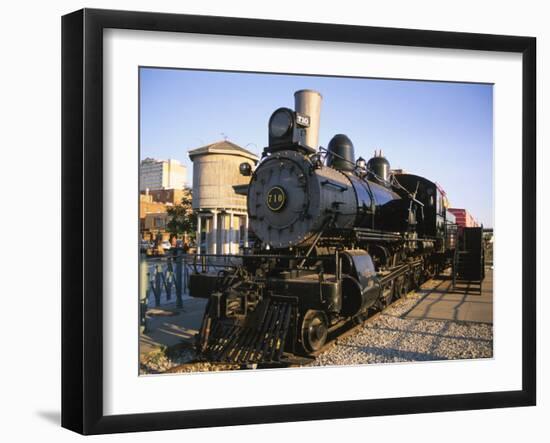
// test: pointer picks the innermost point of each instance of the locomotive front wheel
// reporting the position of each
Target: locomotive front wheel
(314, 331)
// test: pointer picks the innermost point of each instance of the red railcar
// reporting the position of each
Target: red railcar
(463, 218)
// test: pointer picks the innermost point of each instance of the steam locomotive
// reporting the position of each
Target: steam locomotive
(336, 238)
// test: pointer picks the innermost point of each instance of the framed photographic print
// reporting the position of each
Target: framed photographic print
(269, 221)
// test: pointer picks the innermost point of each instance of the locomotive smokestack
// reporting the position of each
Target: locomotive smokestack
(308, 102)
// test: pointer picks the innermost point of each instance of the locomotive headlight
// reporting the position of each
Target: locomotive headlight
(281, 122)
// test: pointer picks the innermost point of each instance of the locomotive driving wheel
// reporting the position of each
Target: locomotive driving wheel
(398, 287)
(405, 286)
(387, 296)
(314, 331)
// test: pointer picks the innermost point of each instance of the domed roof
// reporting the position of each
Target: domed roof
(223, 147)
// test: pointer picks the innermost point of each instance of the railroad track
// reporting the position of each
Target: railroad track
(336, 336)
(346, 330)
(288, 360)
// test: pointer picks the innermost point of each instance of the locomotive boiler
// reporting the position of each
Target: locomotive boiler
(336, 238)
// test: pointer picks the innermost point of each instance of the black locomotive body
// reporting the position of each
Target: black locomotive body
(336, 238)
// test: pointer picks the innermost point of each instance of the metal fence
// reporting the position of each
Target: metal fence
(489, 253)
(165, 280)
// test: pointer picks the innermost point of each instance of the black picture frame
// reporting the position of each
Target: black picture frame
(82, 188)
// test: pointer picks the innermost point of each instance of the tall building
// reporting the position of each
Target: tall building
(161, 174)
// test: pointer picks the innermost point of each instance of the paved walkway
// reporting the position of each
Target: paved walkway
(169, 326)
(463, 303)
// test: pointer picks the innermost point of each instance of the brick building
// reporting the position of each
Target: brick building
(167, 196)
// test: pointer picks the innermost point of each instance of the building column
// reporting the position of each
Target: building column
(231, 232)
(221, 247)
(199, 219)
(214, 232)
(246, 230)
(223, 234)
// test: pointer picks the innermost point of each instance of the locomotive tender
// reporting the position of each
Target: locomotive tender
(336, 238)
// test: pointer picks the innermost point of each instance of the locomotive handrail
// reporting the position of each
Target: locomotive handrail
(298, 257)
(411, 196)
(393, 182)
(352, 163)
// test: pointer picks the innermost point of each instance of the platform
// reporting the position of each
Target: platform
(169, 326)
(463, 303)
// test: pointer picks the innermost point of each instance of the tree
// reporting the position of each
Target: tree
(181, 218)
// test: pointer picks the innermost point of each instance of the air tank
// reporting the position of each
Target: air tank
(308, 102)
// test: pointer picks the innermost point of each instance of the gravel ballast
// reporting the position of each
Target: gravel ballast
(182, 360)
(389, 337)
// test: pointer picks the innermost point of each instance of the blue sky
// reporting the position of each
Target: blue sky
(440, 130)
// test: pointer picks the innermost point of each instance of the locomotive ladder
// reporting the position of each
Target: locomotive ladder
(262, 341)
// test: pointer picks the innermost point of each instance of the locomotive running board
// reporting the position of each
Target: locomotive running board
(254, 342)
